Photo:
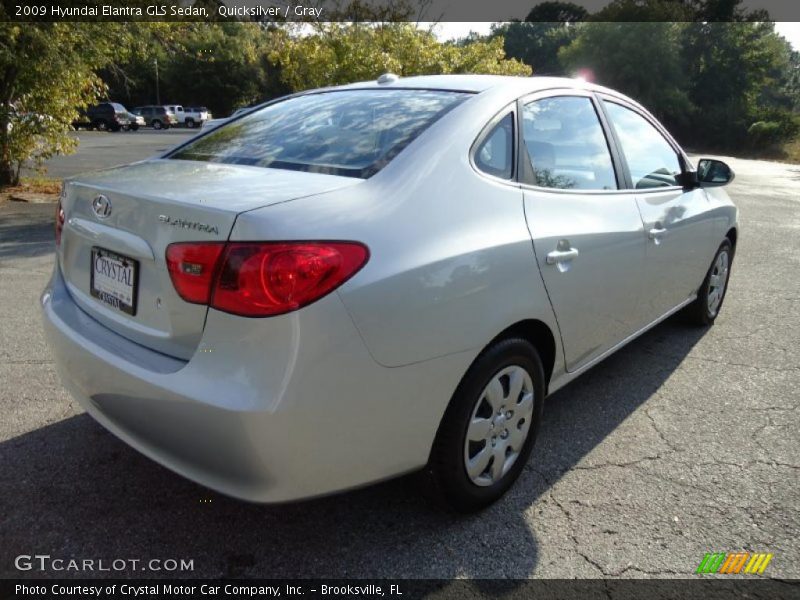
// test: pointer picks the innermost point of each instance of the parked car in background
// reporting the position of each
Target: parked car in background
(178, 111)
(157, 117)
(211, 123)
(195, 116)
(136, 122)
(392, 275)
(190, 116)
(106, 116)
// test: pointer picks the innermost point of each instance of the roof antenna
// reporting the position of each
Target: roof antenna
(387, 78)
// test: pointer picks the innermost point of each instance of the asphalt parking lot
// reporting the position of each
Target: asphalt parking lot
(684, 442)
(103, 149)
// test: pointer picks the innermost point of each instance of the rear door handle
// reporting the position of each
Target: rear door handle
(558, 256)
(657, 232)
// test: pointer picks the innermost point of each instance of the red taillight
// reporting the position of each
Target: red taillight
(59, 223)
(258, 279)
(191, 267)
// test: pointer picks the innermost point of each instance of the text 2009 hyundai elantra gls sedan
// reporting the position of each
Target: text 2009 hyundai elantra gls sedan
(353, 283)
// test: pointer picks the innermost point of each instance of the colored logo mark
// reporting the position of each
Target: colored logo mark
(733, 563)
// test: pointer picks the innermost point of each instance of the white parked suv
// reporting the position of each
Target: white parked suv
(191, 116)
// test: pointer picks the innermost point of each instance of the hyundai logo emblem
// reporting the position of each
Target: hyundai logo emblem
(101, 206)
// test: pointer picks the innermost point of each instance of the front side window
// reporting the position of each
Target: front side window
(566, 144)
(353, 133)
(495, 155)
(652, 161)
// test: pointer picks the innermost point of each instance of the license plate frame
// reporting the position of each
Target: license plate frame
(115, 298)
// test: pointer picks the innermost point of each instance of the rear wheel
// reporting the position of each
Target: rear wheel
(157, 124)
(190, 123)
(489, 428)
(704, 310)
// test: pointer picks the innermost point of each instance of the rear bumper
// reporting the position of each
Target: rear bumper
(273, 410)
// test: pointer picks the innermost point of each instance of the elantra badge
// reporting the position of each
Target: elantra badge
(185, 224)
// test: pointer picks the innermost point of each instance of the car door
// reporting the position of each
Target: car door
(587, 233)
(679, 234)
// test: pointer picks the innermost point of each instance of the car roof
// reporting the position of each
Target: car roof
(479, 83)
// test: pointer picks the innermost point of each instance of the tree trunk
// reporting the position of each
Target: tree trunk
(8, 174)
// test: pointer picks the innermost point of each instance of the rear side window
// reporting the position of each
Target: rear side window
(495, 155)
(651, 159)
(566, 144)
(353, 133)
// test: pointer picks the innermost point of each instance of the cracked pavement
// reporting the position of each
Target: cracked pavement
(682, 443)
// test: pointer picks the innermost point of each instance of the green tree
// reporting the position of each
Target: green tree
(642, 60)
(341, 53)
(48, 70)
(537, 40)
(222, 66)
(739, 74)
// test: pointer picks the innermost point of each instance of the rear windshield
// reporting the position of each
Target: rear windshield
(354, 133)
(118, 107)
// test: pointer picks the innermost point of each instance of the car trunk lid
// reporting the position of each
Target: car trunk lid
(119, 223)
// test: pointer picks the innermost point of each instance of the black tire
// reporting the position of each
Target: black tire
(156, 124)
(100, 125)
(446, 474)
(700, 312)
(134, 128)
(190, 123)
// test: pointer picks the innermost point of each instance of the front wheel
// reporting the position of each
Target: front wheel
(190, 123)
(490, 426)
(704, 310)
(157, 124)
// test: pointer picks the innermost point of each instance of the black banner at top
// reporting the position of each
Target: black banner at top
(283, 11)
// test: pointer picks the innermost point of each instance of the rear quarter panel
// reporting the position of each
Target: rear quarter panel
(452, 262)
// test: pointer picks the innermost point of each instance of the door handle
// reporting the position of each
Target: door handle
(656, 232)
(558, 256)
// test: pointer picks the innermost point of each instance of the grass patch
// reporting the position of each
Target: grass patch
(792, 151)
(40, 185)
(32, 189)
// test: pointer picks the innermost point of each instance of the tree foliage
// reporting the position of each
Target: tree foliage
(639, 59)
(709, 81)
(341, 53)
(48, 71)
(221, 65)
(536, 41)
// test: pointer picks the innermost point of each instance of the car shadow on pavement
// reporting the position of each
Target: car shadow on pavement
(70, 489)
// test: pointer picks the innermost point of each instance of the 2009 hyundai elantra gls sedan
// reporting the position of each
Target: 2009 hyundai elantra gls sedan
(353, 283)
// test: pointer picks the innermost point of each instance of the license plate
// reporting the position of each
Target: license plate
(114, 279)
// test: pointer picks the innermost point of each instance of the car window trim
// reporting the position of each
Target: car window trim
(527, 178)
(487, 130)
(683, 160)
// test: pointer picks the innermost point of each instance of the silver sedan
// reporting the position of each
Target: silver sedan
(353, 283)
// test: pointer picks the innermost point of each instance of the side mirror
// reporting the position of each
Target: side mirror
(713, 173)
